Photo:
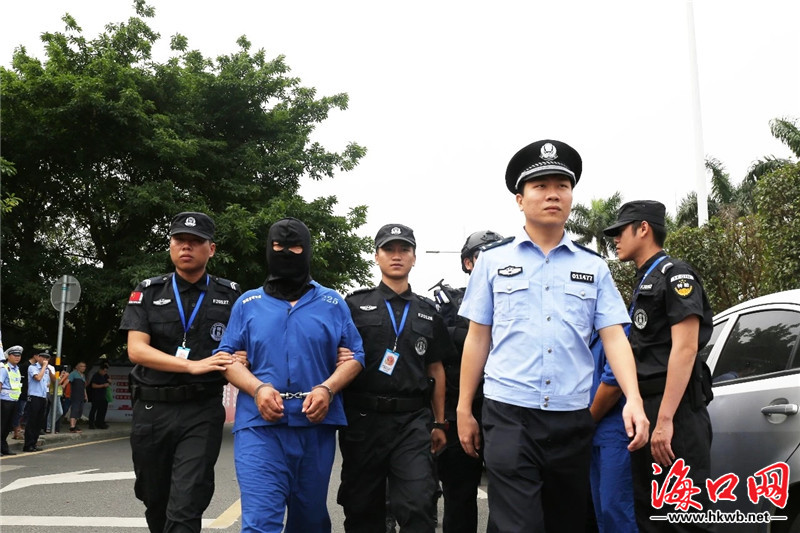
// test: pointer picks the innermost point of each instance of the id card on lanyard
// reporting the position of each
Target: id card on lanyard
(390, 357)
(183, 350)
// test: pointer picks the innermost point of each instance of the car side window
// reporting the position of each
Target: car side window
(706, 351)
(760, 343)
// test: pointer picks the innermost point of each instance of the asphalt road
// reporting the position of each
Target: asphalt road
(84, 484)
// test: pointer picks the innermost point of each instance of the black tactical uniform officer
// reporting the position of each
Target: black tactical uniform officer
(672, 320)
(459, 473)
(388, 405)
(174, 321)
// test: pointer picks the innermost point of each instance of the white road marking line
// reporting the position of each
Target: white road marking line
(81, 476)
(228, 517)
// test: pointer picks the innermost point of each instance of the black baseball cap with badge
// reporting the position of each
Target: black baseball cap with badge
(649, 210)
(543, 158)
(44, 353)
(194, 223)
(394, 232)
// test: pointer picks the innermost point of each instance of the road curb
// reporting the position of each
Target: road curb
(115, 430)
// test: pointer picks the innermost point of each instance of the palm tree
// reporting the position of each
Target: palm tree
(785, 130)
(740, 201)
(587, 223)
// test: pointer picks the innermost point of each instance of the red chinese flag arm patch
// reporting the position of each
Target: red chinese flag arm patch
(136, 298)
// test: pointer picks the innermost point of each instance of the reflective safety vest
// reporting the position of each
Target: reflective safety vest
(15, 378)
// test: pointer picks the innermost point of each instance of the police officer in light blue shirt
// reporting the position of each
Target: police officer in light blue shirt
(533, 304)
(39, 376)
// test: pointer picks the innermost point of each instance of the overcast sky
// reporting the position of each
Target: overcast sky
(442, 94)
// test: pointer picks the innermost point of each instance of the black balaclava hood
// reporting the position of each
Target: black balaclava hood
(289, 273)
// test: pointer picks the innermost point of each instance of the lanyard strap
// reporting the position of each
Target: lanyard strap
(397, 331)
(186, 325)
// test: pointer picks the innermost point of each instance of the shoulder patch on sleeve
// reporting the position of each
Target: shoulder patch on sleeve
(136, 298)
(682, 285)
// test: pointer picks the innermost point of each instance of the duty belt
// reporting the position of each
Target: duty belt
(179, 393)
(383, 404)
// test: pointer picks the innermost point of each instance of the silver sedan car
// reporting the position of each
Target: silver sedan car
(754, 356)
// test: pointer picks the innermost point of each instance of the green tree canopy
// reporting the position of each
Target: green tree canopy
(588, 223)
(778, 200)
(108, 144)
(739, 200)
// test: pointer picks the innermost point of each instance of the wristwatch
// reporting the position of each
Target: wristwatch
(444, 426)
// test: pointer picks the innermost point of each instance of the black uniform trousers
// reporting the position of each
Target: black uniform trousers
(537, 463)
(691, 441)
(380, 446)
(7, 409)
(175, 447)
(37, 413)
(460, 475)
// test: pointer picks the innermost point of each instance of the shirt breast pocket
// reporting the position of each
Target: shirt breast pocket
(580, 302)
(511, 299)
(423, 327)
(165, 324)
(367, 319)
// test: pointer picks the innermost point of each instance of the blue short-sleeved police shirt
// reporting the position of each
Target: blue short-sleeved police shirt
(542, 309)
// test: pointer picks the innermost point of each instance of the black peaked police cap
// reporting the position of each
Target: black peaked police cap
(542, 158)
(195, 223)
(395, 232)
(650, 210)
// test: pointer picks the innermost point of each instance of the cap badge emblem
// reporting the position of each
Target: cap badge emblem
(396, 231)
(548, 152)
(191, 222)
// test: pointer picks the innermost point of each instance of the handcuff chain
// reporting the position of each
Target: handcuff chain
(294, 395)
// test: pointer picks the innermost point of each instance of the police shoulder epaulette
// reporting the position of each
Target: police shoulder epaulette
(361, 291)
(582, 247)
(226, 283)
(427, 300)
(495, 244)
(158, 280)
(667, 263)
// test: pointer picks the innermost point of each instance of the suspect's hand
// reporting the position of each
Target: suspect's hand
(316, 404)
(269, 403)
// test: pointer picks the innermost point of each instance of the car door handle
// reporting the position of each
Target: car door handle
(780, 409)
